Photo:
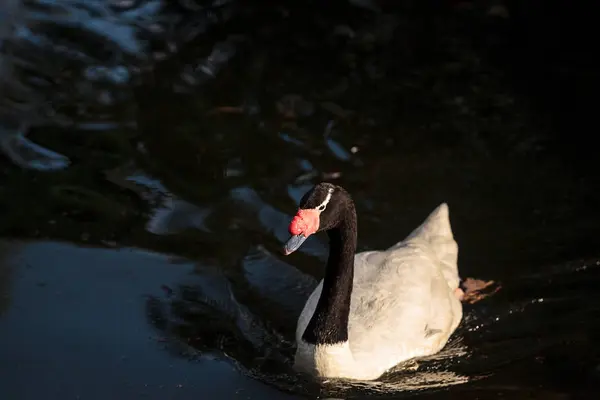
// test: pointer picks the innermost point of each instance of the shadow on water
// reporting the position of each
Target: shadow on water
(197, 138)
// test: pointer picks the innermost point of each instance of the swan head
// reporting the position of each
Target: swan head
(320, 209)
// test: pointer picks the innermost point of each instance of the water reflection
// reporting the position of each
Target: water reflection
(508, 332)
(196, 138)
(40, 71)
(72, 64)
(78, 315)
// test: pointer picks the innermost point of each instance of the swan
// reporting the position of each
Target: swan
(375, 309)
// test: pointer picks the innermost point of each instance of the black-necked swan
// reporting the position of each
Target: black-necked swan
(374, 309)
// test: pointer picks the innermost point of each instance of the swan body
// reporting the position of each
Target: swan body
(402, 305)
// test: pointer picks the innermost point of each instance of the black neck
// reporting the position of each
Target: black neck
(329, 323)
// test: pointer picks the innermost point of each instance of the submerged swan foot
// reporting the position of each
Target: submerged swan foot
(472, 290)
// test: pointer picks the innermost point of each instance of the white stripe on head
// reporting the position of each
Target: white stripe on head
(321, 207)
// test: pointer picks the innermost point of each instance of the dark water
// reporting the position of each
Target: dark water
(150, 175)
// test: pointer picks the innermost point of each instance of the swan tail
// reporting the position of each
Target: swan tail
(436, 232)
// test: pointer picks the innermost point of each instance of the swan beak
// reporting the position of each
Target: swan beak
(293, 244)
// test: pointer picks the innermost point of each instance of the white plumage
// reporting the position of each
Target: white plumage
(403, 305)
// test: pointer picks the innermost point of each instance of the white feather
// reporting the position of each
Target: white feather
(403, 306)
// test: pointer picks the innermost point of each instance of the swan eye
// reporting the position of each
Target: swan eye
(322, 207)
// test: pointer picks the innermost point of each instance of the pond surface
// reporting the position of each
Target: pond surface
(150, 174)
